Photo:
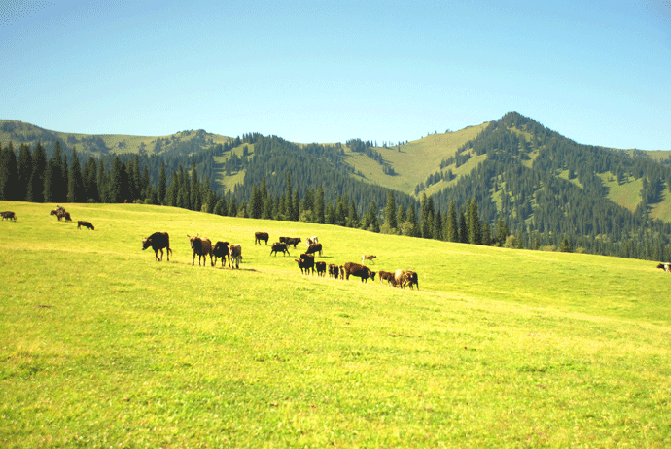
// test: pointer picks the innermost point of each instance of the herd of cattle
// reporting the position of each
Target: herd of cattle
(202, 247)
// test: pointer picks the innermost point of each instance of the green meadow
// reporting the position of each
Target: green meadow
(103, 346)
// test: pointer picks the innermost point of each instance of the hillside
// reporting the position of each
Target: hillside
(544, 187)
(184, 142)
(102, 346)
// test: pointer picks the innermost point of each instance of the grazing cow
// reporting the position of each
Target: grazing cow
(235, 254)
(366, 257)
(314, 249)
(399, 277)
(385, 276)
(665, 266)
(356, 269)
(305, 263)
(294, 241)
(201, 246)
(411, 279)
(279, 247)
(258, 236)
(158, 241)
(321, 268)
(8, 215)
(220, 250)
(85, 224)
(311, 241)
(405, 278)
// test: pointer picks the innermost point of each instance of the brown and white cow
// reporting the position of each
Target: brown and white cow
(158, 241)
(235, 254)
(201, 246)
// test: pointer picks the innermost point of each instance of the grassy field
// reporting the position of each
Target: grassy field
(102, 346)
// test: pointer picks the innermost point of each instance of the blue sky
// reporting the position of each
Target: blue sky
(597, 72)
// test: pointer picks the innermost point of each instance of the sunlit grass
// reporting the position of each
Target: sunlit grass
(100, 345)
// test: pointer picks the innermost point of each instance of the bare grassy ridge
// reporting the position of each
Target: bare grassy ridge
(100, 345)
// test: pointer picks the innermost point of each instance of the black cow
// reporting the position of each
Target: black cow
(158, 241)
(260, 236)
(279, 247)
(85, 224)
(306, 263)
(8, 215)
(201, 246)
(356, 269)
(321, 268)
(314, 249)
(220, 250)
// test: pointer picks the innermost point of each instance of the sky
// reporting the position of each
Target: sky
(597, 72)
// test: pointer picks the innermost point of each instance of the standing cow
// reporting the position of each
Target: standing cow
(201, 246)
(158, 241)
(279, 247)
(258, 236)
(356, 269)
(234, 255)
(220, 250)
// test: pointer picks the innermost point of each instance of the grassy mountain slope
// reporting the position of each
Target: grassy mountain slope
(412, 161)
(100, 345)
(101, 144)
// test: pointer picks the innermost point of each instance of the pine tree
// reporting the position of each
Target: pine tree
(9, 174)
(474, 232)
(289, 206)
(352, 216)
(90, 184)
(452, 225)
(76, 191)
(119, 182)
(370, 221)
(37, 177)
(400, 216)
(463, 226)
(54, 177)
(330, 214)
(296, 207)
(486, 234)
(390, 212)
(195, 199)
(25, 170)
(162, 180)
(103, 184)
(256, 203)
(413, 229)
(319, 206)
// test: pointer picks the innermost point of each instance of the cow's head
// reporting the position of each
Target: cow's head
(146, 243)
(372, 275)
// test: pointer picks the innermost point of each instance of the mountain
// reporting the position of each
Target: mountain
(542, 186)
(184, 142)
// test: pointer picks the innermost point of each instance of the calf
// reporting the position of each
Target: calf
(260, 236)
(305, 263)
(158, 241)
(279, 247)
(235, 254)
(85, 224)
(201, 246)
(321, 268)
(366, 257)
(314, 249)
(220, 250)
(356, 269)
(385, 276)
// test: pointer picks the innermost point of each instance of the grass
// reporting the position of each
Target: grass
(102, 346)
